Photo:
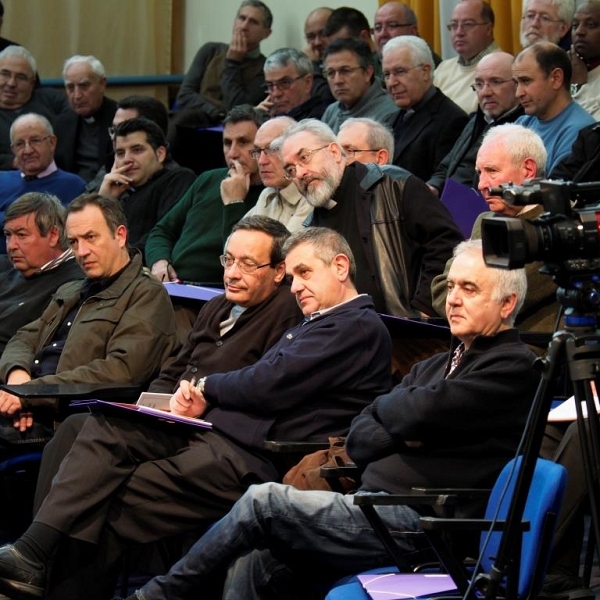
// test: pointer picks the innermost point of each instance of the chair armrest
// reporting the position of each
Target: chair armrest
(414, 499)
(465, 494)
(298, 447)
(33, 392)
(438, 523)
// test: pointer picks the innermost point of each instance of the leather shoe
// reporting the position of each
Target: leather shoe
(20, 578)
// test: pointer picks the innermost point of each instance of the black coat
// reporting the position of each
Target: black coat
(429, 134)
(67, 129)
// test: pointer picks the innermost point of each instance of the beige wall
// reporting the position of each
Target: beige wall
(203, 24)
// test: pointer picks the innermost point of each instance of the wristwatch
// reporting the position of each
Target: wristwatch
(200, 384)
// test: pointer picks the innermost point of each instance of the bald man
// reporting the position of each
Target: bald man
(497, 104)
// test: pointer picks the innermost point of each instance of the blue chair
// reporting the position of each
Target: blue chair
(525, 577)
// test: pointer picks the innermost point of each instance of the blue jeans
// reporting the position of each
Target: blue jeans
(323, 528)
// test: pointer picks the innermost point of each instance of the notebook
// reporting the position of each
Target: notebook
(400, 586)
(149, 404)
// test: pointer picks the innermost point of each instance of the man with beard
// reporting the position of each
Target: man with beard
(547, 21)
(400, 233)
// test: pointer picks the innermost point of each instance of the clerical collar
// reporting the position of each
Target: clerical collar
(51, 168)
(89, 120)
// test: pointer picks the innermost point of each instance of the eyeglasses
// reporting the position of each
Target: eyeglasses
(493, 84)
(303, 159)
(464, 25)
(245, 266)
(283, 84)
(400, 72)
(530, 17)
(342, 71)
(379, 27)
(35, 143)
(20, 78)
(589, 25)
(255, 154)
(351, 153)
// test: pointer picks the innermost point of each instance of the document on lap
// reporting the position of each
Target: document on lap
(149, 404)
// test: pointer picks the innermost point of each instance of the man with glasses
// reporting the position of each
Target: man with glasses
(18, 95)
(152, 481)
(471, 30)
(547, 20)
(314, 27)
(366, 140)
(348, 67)
(498, 103)
(401, 235)
(33, 142)
(585, 58)
(289, 85)
(427, 123)
(393, 19)
(281, 199)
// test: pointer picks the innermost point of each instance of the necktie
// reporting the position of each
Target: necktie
(456, 357)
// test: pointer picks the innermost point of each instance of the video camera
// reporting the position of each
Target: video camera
(569, 229)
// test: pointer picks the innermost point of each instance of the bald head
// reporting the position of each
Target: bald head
(391, 20)
(313, 31)
(495, 88)
(269, 162)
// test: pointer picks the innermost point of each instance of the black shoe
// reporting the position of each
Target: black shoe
(563, 587)
(20, 578)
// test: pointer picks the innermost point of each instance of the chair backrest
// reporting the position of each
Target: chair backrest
(544, 499)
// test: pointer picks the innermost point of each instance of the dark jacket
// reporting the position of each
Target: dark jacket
(146, 205)
(23, 300)
(583, 164)
(408, 234)
(428, 135)
(121, 335)
(466, 426)
(331, 366)
(67, 128)
(459, 163)
(207, 351)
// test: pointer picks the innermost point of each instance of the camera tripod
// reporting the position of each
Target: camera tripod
(576, 347)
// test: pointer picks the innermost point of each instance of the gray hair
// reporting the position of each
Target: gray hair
(96, 65)
(48, 210)
(506, 281)
(566, 8)
(519, 143)
(20, 52)
(47, 125)
(378, 135)
(320, 130)
(326, 243)
(285, 56)
(266, 11)
(420, 52)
